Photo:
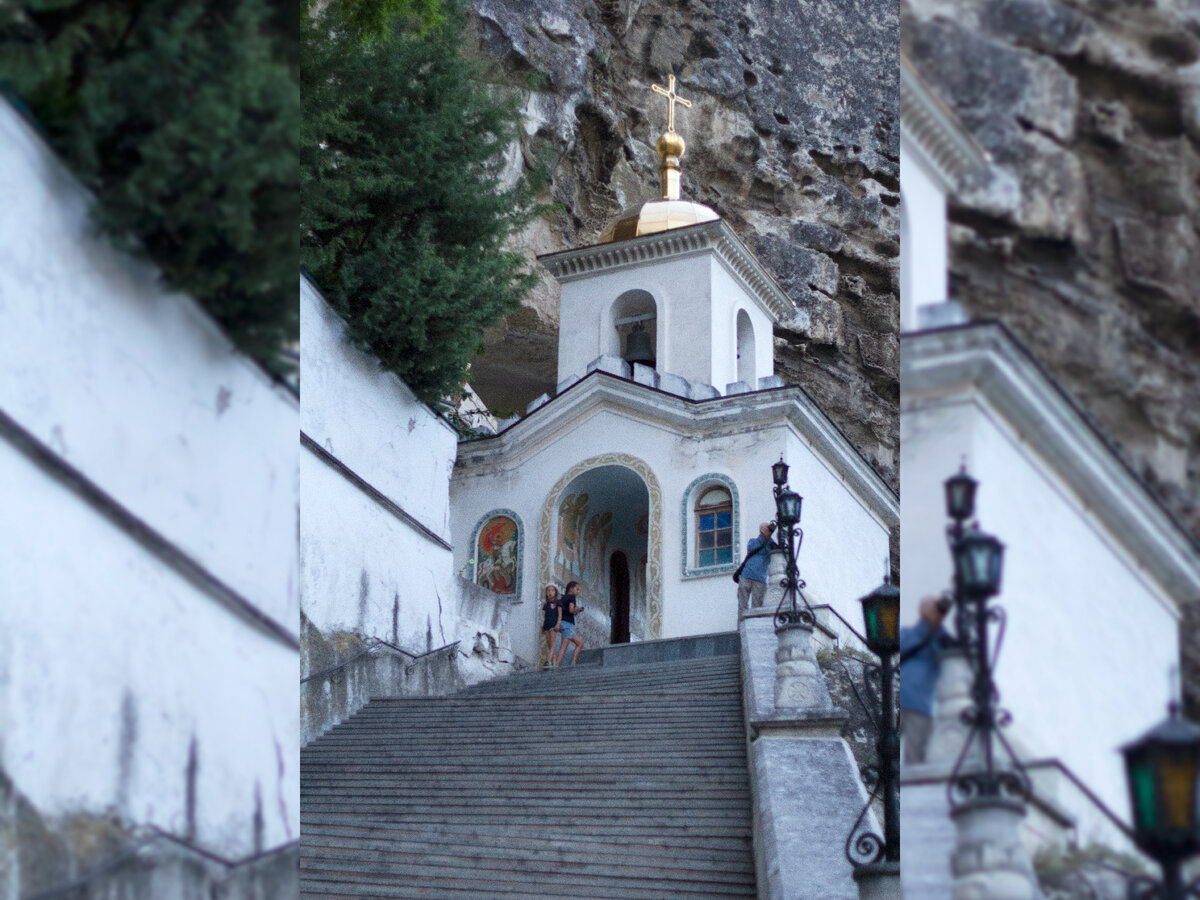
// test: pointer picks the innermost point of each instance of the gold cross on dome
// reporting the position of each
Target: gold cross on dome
(672, 99)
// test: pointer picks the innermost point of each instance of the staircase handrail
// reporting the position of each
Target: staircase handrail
(373, 642)
(842, 619)
(156, 834)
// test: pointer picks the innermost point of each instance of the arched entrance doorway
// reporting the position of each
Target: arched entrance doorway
(603, 507)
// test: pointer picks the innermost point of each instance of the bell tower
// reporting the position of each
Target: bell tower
(669, 294)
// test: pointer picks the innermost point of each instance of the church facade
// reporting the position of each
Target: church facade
(649, 470)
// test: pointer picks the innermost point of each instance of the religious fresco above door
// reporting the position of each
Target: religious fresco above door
(497, 552)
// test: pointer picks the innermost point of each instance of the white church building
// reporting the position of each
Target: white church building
(1095, 569)
(647, 472)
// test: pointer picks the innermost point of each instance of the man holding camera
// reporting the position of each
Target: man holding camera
(752, 577)
(920, 664)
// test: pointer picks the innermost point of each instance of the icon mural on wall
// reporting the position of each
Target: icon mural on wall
(496, 551)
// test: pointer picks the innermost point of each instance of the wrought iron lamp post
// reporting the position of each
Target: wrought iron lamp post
(1163, 769)
(978, 565)
(881, 615)
(787, 513)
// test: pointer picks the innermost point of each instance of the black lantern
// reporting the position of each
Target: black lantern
(1163, 769)
(978, 561)
(881, 615)
(780, 472)
(960, 495)
(787, 507)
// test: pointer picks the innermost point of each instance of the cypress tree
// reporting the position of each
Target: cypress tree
(404, 216)
(182, 116)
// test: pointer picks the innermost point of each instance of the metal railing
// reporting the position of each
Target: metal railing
(155, 835)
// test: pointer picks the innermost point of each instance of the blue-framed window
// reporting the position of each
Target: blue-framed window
(714, 528)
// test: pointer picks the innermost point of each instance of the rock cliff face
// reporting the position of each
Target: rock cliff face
(1085, 238)
(793, 138)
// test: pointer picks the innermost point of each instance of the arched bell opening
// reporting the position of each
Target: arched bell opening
(745, 349)
(633, 330)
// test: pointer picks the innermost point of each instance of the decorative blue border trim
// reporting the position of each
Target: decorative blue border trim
(708, 480)
(487, 517)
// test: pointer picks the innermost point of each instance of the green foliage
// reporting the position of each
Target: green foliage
(374, 19)
(403, 215)
(182, 117)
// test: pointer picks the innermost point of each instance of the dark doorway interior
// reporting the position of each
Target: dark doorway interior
(618, 604)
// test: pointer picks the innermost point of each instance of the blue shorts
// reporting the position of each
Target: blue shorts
(567, 629)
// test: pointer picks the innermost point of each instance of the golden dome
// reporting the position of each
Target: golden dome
(671, 144)
(656, 216)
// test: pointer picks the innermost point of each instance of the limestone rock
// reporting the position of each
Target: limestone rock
(1085, 236)
(793, 138)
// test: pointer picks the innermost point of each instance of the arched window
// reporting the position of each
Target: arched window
(710, 526)
(714, 528)
(745, 350)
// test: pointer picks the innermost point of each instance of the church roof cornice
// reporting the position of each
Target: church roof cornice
(930, 125)
(985, 357)
(716, 237)
(700, 418)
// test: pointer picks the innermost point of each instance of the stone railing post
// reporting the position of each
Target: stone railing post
(990, 862)
(799, 683)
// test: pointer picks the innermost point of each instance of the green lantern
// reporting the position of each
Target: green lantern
(978, 562)
(787, 507)
(1163, 769)
(960, 495)
(881, 616)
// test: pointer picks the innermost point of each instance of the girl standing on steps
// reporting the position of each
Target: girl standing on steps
(551, 618)
(570, 606)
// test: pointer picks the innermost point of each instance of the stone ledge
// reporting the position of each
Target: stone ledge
(799, 723)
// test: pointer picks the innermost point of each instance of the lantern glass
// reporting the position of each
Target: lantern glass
(779, 471)
(978, 562)
(787, 506)
(960, 495)
(881, 617)
(1163, 769)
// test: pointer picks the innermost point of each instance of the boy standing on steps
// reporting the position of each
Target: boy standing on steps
(570, 606)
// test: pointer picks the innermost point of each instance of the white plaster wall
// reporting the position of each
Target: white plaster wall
(370, 420)
(728, 298)
(137, 388)
(111, 661)
(1090, 639)
(681, 287)
(364, 569)
(81, 631)
(843, 552)
(924, 249)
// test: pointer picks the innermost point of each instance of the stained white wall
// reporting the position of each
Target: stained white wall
(111, 661)
(697, 300)
(841, 558)
(364, 568)
(728, 298)
(1090, 638)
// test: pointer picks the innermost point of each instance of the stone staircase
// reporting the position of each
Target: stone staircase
(595, 781)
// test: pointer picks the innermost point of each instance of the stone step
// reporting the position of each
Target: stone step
(435, 781)
(452, 859)
(462, 797)
(392, 881)
(611, 841)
